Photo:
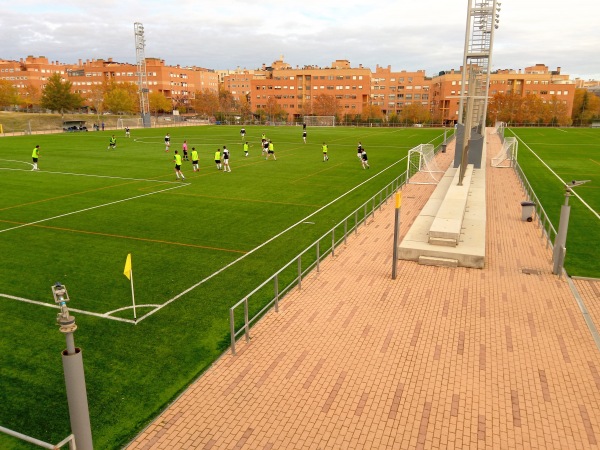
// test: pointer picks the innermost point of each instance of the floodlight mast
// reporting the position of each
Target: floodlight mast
(482, 20)
(140, 56)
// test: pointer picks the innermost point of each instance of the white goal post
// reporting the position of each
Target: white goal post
(421, 160)
(319, 121)
(507, 154)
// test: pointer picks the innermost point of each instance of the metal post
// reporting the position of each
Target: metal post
(299, 272)
(276, 292)
(356, 222)
(246, 323)
(561, 236)
(373, 209)
(396, 233)
(365, 214)
(345, 231)
(333, 242)
(318, 254)
(72, 359)
(232, 329)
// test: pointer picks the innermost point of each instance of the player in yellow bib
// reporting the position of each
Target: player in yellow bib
(246, 147)
(218, 158)
(195, 160)
(325, 149)
(177, 158)
(35, 156)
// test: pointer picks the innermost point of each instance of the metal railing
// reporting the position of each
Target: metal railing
(311, 257)
(69, 439)
(543, 221)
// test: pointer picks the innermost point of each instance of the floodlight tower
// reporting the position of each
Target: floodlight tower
(140, 46)
(482, 20)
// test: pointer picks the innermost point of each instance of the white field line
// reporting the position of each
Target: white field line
(86, 175)
(301, 221)
(81, 311)
(557, 176)
(93, 207)
(14, 160)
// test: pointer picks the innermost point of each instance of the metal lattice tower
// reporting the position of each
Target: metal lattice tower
(140, 46)
(482, 20)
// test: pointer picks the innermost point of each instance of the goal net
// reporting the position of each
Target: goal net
(133, 123)
(507, 154)
(421, 166)
(319, 121)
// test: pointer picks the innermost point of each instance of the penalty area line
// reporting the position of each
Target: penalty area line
(92, 208)
(87, 174)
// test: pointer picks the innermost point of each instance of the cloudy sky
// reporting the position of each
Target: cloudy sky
(406, 35)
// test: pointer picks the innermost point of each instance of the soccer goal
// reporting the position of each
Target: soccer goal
(421, 160)
(507, 154)
(319, 121)
(132, 123)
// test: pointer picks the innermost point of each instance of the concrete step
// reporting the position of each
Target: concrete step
(433, 261)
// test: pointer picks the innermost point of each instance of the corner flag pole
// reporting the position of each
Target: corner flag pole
(128, 272)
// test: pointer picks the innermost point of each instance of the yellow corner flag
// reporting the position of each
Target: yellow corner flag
(127, 271)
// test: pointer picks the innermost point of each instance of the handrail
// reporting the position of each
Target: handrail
(70, 439)
(375, 201)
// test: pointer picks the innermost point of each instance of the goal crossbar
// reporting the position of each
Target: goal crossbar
(319, 121)
(421, 166)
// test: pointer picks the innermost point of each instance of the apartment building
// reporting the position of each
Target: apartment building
(537, 80)
(179, 84)
(391, 91)
(295, 89)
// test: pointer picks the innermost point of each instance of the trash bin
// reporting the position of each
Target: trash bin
(527, 210)
(443, 148)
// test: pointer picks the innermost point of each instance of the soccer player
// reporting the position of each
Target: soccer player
(265, 147)
(246, 147)
(185, 148)
(271, 150)
(243, 133)
(167, 142)
(359, 150)
(35, 156)
(195, 160)
(304, 125)
(365, 160)
(127, 133)
(304, 136)
(218, 158)
(177, 158)
(226, 167)
(325, 149)
(112, 143)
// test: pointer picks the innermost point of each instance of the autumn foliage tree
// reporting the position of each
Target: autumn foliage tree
(415, 113)
(206, 103)
(121, 98)
(325, 105)
(586, 107)
(8, 94)
(530, 109)
(57, 95)
(159, 103)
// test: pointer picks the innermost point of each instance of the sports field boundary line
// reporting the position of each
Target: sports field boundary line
(81, 311)
(93, 207)
(87, 175)
(556, 175)
(300, 222)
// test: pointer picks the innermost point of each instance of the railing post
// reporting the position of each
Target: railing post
(276, 286)
(365, 214)
(299, 272)
(345, 231)
(333, 242)
(356, 222)
(380, 200)
(232, 329)
(318, 254)
(373, 210)
(246, 323)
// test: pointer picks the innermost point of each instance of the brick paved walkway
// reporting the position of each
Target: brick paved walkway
(438, 358)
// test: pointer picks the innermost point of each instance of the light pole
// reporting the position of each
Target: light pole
(558, 254)
(74, 376)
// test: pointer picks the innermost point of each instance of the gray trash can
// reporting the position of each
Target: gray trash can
(444, 148)
(527, 210)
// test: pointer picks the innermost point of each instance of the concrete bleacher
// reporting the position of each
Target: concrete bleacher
(450, 230)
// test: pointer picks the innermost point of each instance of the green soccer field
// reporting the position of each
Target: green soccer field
(572, 154)
(198, 246)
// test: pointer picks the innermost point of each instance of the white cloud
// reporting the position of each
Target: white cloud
(225, 35)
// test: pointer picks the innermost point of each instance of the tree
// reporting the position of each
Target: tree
(57, 95)
(8, 94)
(206, 102)
(121, 98)
(158, 102)
(415, 113)
(326, 105)
(30, 97)
(586, 107)
(371, 112)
